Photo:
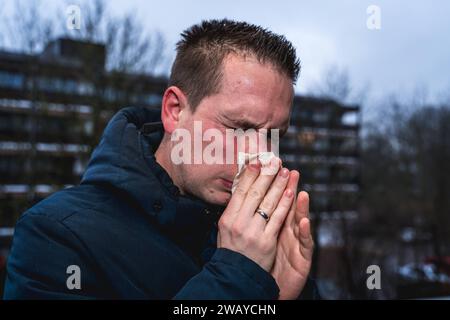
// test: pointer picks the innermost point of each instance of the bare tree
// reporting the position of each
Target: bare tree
(426, 155)
(129, 47)
(335, 84)
(28, 29)
(406, 169)
(130, 52)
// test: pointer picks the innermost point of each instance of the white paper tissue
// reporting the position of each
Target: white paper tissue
(245, 158)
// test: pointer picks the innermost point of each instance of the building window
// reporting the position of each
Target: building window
(321, 117)
(11, 80)
(321, 173)
(321, 144)
(306, 138)
(350, 119)
(85, 88)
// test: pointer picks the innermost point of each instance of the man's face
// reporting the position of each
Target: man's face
(252, 96)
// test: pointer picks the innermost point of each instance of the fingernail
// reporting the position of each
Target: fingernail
(284, 173)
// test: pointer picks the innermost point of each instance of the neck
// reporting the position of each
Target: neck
(162, 156)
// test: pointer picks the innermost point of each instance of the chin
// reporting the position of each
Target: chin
(217, 197)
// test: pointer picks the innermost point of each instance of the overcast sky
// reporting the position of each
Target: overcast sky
(411, 50)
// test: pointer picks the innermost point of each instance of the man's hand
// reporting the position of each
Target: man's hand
(295, 246)
(249, 233)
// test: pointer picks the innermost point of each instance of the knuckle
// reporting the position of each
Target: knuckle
(256, 194)
(251, 173)
(223, 224)
(267, 206)
(285, 205)
(252, 239)
(240, 191)
(236, 230)
(286, 200)
(280, 181)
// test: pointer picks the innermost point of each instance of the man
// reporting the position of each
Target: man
(141, 225)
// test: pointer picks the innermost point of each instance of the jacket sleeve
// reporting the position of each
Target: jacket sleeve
(310, 291)
(37, 268)
(230, 275)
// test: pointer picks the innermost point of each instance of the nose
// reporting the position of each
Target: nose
(252, 141)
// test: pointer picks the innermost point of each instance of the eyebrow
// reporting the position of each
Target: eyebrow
(246, 124)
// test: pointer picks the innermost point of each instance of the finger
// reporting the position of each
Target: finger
(257, 192)
(292, 184)
(278, 217)
(248, 177)
(302, 210)
(272, 198)
(306, 240)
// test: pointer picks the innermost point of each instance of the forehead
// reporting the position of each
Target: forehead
(252, 91)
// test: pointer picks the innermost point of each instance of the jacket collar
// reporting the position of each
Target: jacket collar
(125, 160)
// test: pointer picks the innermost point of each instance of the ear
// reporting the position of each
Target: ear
(174, 103)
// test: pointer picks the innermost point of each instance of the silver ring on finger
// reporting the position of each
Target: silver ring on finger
(263, 214)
